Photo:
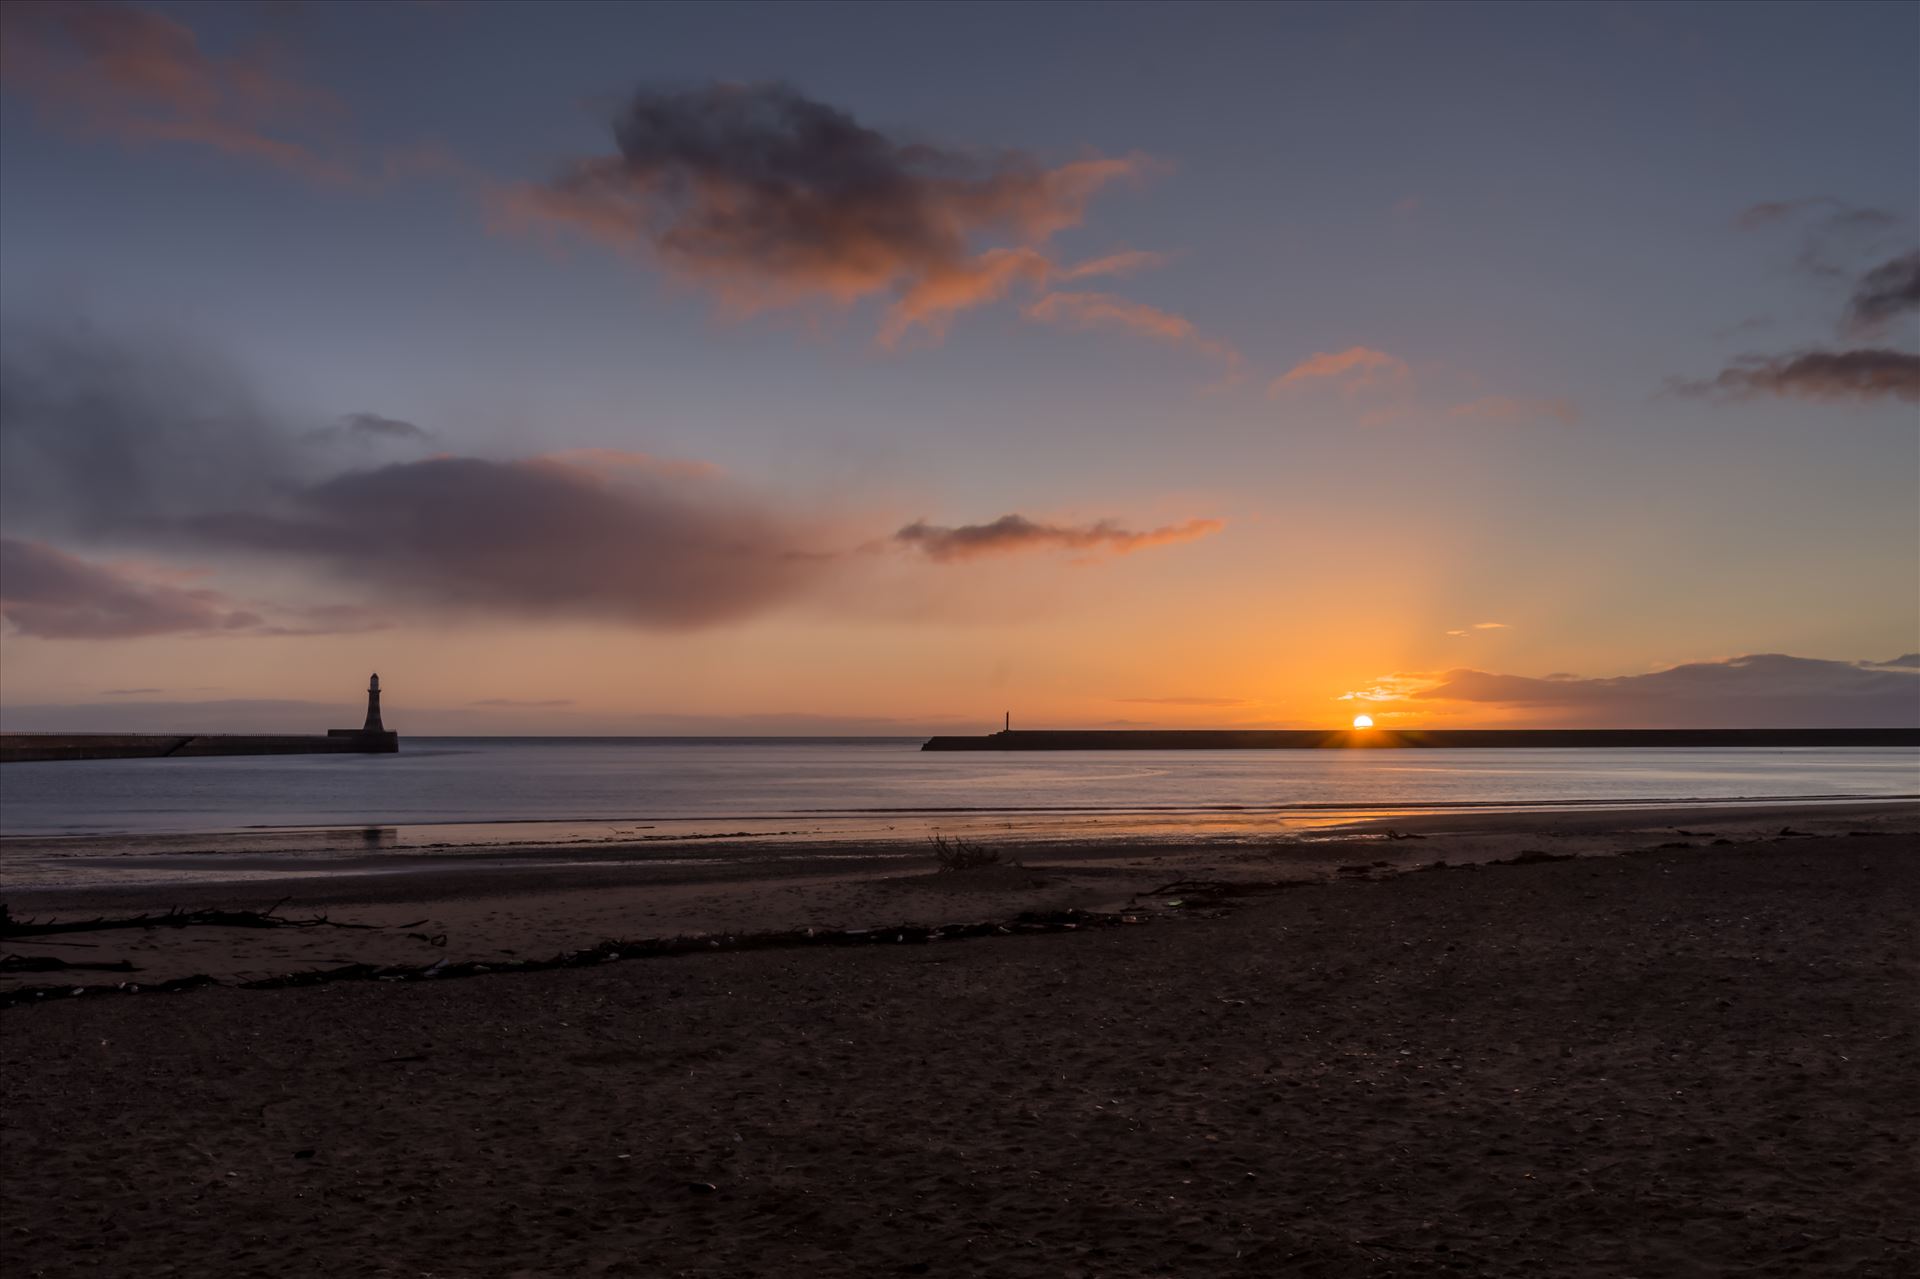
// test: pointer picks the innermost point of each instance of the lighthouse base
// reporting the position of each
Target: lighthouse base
(373, 743)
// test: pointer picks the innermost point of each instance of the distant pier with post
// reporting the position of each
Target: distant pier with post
(1410, 738)
(371, 738)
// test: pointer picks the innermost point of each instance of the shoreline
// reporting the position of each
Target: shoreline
(500, 904)
(1022, 825)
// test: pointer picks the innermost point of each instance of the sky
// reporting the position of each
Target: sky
(818, 368)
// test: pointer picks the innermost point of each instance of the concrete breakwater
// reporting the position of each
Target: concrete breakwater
(21, 748)
(371, 738)
(1390, 738)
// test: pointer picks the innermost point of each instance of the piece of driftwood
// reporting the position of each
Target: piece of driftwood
(177, 918)
(1198, 888)
(1027, 923)
(1192, 894)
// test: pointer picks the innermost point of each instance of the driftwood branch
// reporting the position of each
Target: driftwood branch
(1212, 892)
(609, 951)
(177, 918)
(54, 964)
(1198, 888)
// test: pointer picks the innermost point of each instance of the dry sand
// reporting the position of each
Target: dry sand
(1684, 1061)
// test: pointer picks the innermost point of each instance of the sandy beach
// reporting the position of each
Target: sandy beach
(1684, 1060)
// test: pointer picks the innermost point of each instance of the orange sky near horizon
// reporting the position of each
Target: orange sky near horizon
(1057, 644)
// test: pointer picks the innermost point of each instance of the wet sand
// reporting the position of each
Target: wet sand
(1679, 1061)
(532, 901)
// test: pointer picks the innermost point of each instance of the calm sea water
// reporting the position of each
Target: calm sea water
(811, 786)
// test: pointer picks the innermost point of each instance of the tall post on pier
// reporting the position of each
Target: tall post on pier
(1006, 725)
(373, 724)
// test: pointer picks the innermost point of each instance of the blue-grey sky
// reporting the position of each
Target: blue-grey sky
(1561, 316)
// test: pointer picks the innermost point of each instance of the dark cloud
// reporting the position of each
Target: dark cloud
(768, 198)
(153, 444)
(1906, 661)
(128, 692)
(51, 594)
(522, 702)
(385, 428)
(535, 538)
(1012, 533)
(363, 435)
(1860, 373)
(1767, 690)
(100, 432)
(127, 444)
(47, 593)
(1836, 212)
(1889, 290)
(1835, 234)
(1864, 374)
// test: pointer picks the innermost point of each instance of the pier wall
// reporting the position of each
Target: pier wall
(1387, 738)
(21, 748)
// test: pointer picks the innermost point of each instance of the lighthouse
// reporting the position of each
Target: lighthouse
(373, 724)
(373, 737)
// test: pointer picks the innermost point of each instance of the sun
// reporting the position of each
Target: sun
(1363, 721)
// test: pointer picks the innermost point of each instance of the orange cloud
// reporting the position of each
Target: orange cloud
(142, 77)
(1396, 394)
(1391, 688)
(603, 210)
(768, 199)
(1104, 310)
(1126, 263)
(989, 277)
(1355, 368)
(943, 292)
(1509, 408)
(1012, 533)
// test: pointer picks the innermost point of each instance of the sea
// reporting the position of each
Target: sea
(453, 791)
